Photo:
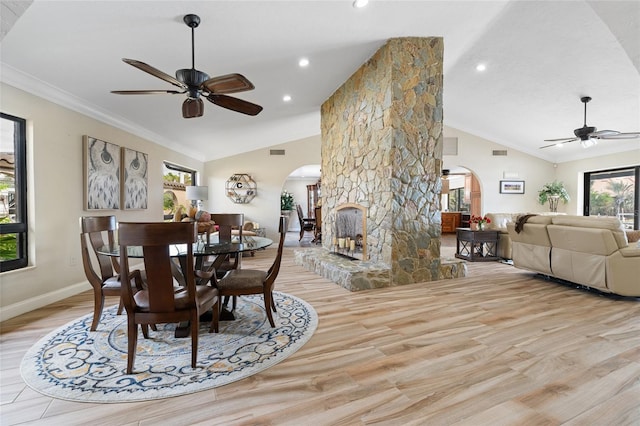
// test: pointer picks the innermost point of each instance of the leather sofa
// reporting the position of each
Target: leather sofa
(499, 223)
(589, 251)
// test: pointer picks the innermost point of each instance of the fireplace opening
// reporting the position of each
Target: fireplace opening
(350, 232)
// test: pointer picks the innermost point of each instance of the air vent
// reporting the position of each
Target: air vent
(276, 152)
(450, 146)
(498, 152)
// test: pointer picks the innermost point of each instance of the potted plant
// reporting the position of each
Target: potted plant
(553, 192)
(286, 201)
(286, 205)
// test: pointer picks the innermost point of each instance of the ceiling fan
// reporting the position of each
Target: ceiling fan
(589, 136)
(197, 84)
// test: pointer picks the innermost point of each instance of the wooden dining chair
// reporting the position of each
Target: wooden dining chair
(306, 223)
(106, 282)
(228, 223)
(240, 282)
(161, 301)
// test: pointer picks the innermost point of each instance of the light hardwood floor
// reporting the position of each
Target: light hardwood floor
(498, 347)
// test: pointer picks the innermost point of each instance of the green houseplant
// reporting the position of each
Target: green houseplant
(286, 201)
(553, 192)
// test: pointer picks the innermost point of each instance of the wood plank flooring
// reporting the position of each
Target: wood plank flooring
(497, 347)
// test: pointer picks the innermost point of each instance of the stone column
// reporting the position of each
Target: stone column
(382, 148)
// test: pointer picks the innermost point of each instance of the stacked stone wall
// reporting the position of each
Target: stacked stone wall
(382, 148)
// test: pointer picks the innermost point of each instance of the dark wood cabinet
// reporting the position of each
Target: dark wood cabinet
(450, 221)
(312, 199)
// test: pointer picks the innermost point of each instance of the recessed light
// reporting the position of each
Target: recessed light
(286, 98)
(360, 3)
(481, 67)
(303, 62)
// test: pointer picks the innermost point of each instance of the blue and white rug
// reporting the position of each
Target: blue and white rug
(76, 364)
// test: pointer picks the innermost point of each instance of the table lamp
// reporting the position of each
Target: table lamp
(197, 194)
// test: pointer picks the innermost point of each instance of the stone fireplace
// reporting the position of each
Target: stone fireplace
(382, 152)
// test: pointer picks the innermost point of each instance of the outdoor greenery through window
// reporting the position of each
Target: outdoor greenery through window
(613, 193)
(13, 193)
(176, 178)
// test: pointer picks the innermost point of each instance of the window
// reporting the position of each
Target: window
(613, 193)
(176, 178)
(13, 193)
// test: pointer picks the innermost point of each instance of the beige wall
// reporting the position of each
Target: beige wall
(55, 198)
(270, 173)
(475, 154)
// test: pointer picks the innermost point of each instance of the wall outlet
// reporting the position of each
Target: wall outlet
(73, 261)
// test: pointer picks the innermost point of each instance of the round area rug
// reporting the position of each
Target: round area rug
(76, 364)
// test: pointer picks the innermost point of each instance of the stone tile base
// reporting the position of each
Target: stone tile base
(355, 275)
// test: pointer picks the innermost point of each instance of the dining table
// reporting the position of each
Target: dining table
(208, 254)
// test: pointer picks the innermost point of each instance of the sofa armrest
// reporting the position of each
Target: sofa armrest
(630, 251)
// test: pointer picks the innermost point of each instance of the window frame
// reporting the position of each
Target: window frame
(20, 226)
(636, 198)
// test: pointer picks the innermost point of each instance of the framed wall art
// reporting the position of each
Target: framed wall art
(134, 179)
(512, 187)
(101, 171)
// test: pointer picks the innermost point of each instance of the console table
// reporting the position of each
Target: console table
(476, 246)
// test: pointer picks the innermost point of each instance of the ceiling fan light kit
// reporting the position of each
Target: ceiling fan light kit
(589, 135)
(197, 84)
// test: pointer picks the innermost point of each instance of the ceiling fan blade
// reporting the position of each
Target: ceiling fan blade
(558, 142)
(192, 108)
(235, 104)
(155, 72)
(561, 139)
(147, 92)
(630, 135)
(230, 83)
(601, 133)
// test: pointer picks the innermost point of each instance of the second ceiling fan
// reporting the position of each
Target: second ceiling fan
(588, 135)
(197, 84)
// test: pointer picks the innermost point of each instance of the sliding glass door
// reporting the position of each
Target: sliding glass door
(613, 193)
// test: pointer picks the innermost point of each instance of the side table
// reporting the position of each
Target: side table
(476, 246)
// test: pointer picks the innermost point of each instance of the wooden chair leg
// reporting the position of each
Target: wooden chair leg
(98, 304)
(195, 325)
(268, 302)
(301, 234)
(273, 303)
(145, 330)
(216, 316)
(132, 342)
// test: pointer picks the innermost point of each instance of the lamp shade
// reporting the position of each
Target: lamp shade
(196, 193)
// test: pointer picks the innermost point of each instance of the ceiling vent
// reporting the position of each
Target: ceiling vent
(276, 152)
(499, 152)
(450, 146)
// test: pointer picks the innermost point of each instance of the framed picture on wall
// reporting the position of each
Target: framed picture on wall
(134, 179)
(101, 170)
(512, 187)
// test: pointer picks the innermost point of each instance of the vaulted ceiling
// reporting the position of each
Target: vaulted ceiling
(540, 58)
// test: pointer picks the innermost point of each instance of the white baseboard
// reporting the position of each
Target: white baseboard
(34, 303)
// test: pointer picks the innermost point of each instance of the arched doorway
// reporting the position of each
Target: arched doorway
(461, 193)
(304, 185)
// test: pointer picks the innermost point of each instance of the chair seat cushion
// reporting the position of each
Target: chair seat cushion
(204, 294)
(243, 279)
(112, 283)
